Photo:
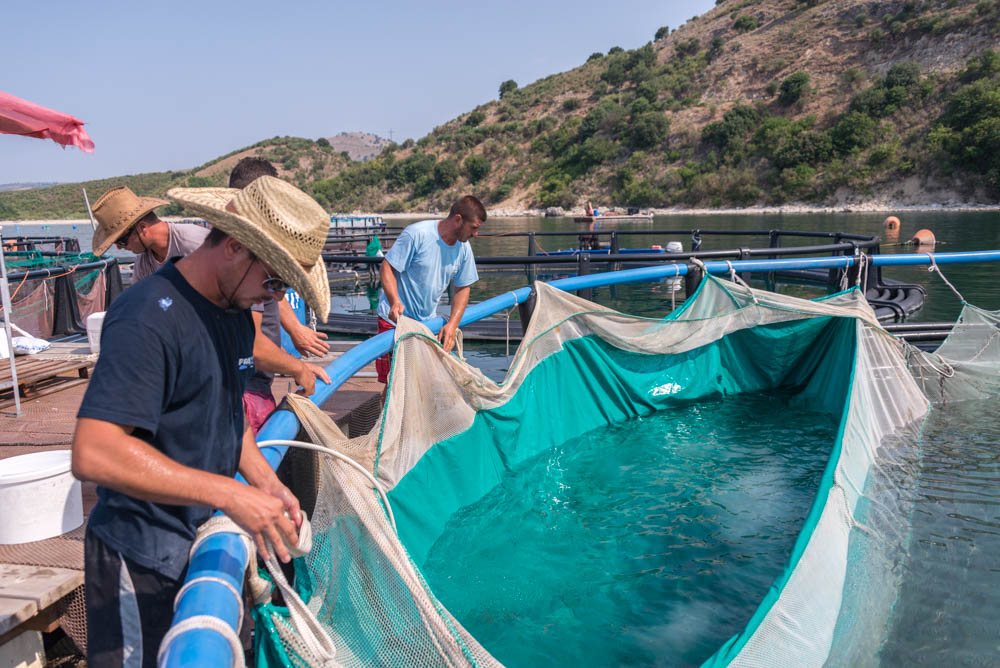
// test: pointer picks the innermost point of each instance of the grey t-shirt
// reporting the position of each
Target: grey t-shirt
(270, 326)
(184, 239)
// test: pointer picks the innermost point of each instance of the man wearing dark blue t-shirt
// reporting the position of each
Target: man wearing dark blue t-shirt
(162, 429)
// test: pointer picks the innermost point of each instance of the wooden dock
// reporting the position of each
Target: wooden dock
(41, 583)
(62, 366)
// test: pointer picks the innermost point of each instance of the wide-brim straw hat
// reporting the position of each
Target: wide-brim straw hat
(281, 225)
(115, 212)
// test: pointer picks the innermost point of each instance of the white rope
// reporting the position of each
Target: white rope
(207, 622)
(862, 261)
(508, 325)
(342, 457)
(212, 578)
(735, 278)
(312, 634)
(934, 268)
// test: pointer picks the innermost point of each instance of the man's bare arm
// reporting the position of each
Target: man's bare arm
(447, 334)
(388, 276)
(305, 339)
(272, 359)
(108, 454)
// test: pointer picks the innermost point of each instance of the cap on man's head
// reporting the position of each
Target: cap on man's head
(115, 212)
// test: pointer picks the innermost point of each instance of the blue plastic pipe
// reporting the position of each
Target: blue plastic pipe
(224, 556)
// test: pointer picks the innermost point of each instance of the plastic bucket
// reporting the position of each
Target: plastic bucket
(94, 323)
(39, 496)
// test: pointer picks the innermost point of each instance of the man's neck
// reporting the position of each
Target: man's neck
(448, 230)
(158, 241)
(199, 270)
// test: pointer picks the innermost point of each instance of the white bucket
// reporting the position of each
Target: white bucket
(95, 321)
(39, 496)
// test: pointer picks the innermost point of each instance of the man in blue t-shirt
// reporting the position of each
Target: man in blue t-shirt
(162, 430)
(417, 269)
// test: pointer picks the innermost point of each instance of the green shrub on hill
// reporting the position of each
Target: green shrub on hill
(746, 23)
(648, 130)
(969, 129)
(476, 168)
(729, 134)
(854, 132)
(793, 88)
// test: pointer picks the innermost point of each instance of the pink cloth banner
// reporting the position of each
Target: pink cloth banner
(20, 117)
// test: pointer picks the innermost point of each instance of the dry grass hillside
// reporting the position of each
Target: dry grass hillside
(756, 102)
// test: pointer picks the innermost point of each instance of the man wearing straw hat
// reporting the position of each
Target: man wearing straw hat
(162, 430)
(128, 222)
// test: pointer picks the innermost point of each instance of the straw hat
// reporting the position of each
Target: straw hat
(115, 212)
(278, 223)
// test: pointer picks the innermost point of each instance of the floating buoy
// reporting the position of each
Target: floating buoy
(923, 238)
(891, 223)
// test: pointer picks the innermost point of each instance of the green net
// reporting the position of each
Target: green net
(448, 434)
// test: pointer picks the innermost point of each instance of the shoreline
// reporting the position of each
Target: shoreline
(563, 213)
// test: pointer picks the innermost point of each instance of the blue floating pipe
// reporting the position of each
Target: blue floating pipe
(224, 555)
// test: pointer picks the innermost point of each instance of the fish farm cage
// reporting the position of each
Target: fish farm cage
(448, 435)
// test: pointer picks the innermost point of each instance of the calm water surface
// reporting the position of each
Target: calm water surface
(649, 542)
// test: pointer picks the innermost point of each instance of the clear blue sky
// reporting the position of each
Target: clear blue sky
(172, 85)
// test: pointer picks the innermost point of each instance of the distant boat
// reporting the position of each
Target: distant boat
(615, 217)
(356, 222)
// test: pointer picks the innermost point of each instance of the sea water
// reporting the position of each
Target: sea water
(649, 542)
(947, 611)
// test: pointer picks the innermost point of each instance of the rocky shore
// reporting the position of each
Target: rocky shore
(555, 212)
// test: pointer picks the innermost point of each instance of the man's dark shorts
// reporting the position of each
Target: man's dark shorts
(129, 608)
(384, 363)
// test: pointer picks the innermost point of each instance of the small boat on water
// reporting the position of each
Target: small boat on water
(362, 223)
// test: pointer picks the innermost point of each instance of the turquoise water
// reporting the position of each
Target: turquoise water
(644, 543)
(948, 610)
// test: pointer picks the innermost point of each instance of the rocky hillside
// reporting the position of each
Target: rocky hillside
(301, 161)
(359, 146)
(755, 102)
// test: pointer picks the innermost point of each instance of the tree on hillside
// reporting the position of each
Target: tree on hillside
(323, 142)
(508, 86)
(476, 168)
(793, 87)
(662, 32)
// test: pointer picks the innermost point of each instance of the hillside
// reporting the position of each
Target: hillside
(359, 146)
(301, 161)
(756, 102)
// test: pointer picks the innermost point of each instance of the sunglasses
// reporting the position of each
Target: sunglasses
(122, 241)
(273, 284)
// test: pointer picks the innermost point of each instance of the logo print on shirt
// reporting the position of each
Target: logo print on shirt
(245, 363)
(165, 303)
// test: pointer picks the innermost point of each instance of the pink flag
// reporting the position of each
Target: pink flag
(20, 117)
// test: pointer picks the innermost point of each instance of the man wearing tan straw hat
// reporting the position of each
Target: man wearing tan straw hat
(128, 222)
(162, 430)
(268, 356)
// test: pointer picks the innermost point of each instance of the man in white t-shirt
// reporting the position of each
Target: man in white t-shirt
(416, 271)
(129, 222)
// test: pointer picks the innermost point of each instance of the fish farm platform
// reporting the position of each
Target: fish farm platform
(41, 583)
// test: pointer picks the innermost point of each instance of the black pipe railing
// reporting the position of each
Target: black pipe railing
(49, 272)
